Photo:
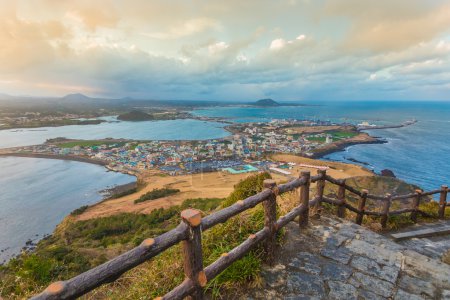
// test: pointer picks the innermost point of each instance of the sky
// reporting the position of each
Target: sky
(227, 50)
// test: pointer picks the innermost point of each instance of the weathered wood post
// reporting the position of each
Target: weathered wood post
(320, 188)
(416, 203)
(443, 201)
(385, 211)
(361, 207)
(270, 218)
(192, 251)
(304, 199)
(341, 199)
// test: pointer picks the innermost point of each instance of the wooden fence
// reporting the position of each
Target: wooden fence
(189, 233)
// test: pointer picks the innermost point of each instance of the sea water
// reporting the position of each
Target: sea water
(182, 129)
(36, 194)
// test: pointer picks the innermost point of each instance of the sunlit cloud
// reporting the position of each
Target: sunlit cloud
(226, 50)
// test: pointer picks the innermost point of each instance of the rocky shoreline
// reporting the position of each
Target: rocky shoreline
(337, 147)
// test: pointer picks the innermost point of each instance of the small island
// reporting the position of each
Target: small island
(267, 103)
(135, 115)
(153, 115)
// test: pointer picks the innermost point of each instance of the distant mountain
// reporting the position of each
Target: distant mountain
(135, 115)
(266, 102)
(76, 97)
(6, 97)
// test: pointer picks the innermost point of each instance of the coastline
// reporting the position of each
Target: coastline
(97, 193)
(49, 124)
(88, 160)
(342, 146)
(60, 157)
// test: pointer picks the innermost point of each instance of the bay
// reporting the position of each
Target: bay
(182, 129)
(38, 193)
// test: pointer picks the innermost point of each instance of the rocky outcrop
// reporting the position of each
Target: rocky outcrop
(387, 173)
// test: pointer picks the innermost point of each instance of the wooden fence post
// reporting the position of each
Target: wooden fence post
(361, 207)
(341, 199)
(320, 187)
(304, 199)
(416, 203)
(443, 201)
(192, 251)
(385, 211)
(270, 219)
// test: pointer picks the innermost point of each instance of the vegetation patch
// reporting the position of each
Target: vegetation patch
(156, 194)
(124, 193)
(77, 246)
(90, 144)
(79, 210)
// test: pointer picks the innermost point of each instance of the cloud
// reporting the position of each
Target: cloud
(187, 28)
(226, 50)
(277, 44)
(217, 47)
(391, 25)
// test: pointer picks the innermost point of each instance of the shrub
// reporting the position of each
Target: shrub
(156, 194)
(246, 188)
(79, 210)
(124, 193)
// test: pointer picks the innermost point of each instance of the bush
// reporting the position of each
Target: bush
(203, 204)
(79, 210)
(124, 193)
(246, 188)
(156, 194)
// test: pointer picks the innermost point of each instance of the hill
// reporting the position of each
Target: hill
(266, 102)
(76, 97)
(135, 115)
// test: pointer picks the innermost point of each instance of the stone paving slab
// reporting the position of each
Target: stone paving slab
(427, 232)
(341, 260)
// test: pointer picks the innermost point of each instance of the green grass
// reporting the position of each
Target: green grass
(336, 135)
(319, 139)
(89, 144)
(343, 134)
(246, 188)
(156, 194)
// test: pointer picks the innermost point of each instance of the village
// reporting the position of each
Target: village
(247, 149)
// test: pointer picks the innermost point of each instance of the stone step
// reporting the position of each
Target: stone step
(427, 232)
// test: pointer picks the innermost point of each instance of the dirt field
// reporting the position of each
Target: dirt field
(313, 129)
(207, 185)
(337, 170)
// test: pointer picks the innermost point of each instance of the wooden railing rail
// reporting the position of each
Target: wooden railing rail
(189, 233)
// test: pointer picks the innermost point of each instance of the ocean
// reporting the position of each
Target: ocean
(418, 154)
(36, 194)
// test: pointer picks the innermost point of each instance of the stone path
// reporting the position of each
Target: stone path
(334, 260)
(433, 247)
